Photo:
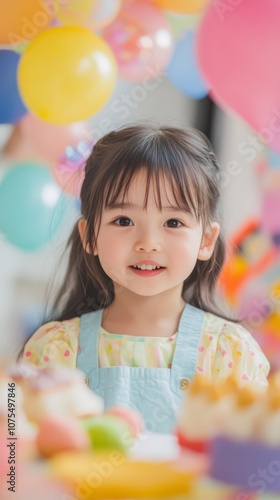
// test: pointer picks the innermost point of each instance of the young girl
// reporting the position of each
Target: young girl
(134, 311)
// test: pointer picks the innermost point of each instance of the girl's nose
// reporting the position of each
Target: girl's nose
(147, 243)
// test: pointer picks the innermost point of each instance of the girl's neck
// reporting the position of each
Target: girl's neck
(133, 314)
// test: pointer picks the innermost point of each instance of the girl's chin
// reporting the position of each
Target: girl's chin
(140, 291)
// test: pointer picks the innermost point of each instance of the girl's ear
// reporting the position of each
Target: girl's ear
(208, 241)
(82, 227)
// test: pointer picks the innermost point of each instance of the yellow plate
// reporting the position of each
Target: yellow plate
(112, 475)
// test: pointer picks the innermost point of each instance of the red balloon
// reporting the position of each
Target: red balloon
(238, 47)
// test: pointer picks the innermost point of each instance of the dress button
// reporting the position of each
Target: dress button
(86, 380)
(184, 384)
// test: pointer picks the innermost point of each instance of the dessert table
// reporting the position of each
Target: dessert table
(162, 449)
(35, 479)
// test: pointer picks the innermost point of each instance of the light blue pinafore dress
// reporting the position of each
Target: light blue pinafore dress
(155, 392)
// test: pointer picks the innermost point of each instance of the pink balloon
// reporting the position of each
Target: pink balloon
(238, 46)
(49, 141)
(141, 40)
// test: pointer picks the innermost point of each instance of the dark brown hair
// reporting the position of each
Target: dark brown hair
(186, 161)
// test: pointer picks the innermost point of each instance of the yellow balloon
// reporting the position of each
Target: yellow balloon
(182, 6)
(66, 74)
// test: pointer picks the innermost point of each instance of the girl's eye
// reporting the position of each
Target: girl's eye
(123, 221)
(173, 223)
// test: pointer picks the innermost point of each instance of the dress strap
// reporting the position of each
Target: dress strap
(187, 343)
(87, 357)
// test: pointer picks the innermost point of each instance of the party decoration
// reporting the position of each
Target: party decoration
(182, 6)
(250, 282)
(22, 20)
(35, 138)
(183, 70)
(68, 170)
(141, 40)
(250, 278)
(66, 74)
(95, 14)
(31, 205)
(238, 51)
(11, 105)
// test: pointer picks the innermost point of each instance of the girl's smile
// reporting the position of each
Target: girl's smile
(147, 268)
(146, 273)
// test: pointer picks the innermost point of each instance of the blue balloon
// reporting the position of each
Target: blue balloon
(12, 108)
(32, 206)
(183, 70)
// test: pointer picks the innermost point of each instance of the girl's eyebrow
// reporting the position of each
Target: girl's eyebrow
(117, 205)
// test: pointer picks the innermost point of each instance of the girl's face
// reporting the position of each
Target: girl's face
(130, 235)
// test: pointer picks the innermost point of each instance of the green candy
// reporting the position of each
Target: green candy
(108, 433)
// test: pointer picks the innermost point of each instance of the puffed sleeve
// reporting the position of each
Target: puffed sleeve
(239, 354)
(53, 344)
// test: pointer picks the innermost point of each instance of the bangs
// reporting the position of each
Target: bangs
(176, 168)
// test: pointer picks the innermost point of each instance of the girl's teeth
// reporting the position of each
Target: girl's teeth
(147, 267)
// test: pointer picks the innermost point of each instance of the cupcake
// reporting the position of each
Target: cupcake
(204, 408)
(245, 412)
(59, 392)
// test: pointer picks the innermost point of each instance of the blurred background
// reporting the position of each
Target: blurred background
(71, 71)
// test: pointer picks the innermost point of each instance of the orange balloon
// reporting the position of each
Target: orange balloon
(182, 6)
(22, 20)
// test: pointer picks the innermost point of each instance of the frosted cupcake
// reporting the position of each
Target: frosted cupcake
(203, 413)
(59, 392)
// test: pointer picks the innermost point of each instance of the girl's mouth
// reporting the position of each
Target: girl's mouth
(147, 272)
